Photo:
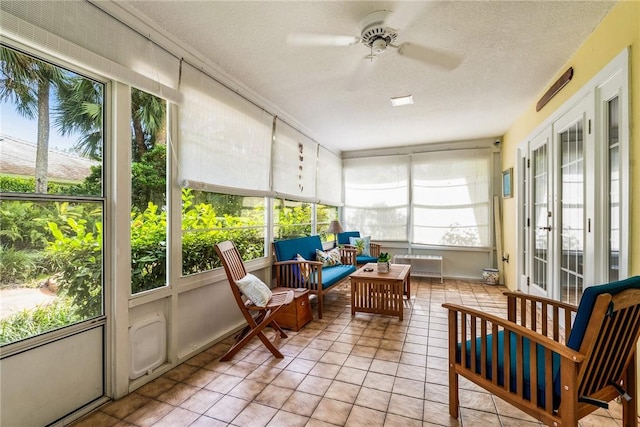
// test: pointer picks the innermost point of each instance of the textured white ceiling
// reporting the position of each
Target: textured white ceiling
(510, 50)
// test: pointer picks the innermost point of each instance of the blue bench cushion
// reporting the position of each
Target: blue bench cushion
(343, 238)
(286, 250)
(361, 259)
(540, 362)
(332, 275)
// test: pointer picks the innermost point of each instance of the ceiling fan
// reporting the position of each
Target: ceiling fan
(379, 31)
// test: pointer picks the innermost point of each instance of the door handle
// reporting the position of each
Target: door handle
(548, 228)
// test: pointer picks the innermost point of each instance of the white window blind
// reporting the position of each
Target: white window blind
(376, 196)
(225, 140)
(329, 184)
(451, 195)
(294, 164)
(80, 33)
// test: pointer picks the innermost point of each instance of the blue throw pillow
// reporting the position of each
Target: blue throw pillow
(362, 245)
(303, 271)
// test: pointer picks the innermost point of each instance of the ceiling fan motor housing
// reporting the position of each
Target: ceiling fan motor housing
(375, 34)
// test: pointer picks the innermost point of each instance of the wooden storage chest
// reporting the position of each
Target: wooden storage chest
(298, 313)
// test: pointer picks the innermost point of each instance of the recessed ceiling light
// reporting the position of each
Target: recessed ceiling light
(402, 100)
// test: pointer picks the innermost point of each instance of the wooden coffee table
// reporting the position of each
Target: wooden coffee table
(380, 293)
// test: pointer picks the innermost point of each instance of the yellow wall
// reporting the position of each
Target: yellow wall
(619, 29)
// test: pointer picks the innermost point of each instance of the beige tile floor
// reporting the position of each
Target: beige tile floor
(367, 370)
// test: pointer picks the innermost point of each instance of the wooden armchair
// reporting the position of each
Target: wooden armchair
(374, 248)
(557, 381)
(257, 317)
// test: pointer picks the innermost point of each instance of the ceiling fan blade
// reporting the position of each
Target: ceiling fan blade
(404, 13)
(311, 39)
(434, 57)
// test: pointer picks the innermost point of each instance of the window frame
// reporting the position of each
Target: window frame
(102, 199)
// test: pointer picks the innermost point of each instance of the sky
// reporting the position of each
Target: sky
(13, 124)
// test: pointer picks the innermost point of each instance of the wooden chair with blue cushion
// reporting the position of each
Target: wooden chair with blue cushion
(557, 381)
(258, 306)
(346, 239)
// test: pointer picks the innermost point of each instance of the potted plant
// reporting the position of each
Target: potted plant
(384, 262)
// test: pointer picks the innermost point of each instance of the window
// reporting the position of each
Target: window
(148, 191)
(51, 195)
(291, 219)
(324, 215)
(614, 189)
(209, 218)
(377, 196)
(572, 212)
(450, 197)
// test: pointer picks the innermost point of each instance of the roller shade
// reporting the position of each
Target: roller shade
(329, 179)
(295, 165)
(225, 140)
(376, 198)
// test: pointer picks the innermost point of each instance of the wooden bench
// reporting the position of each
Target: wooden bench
(310, 274)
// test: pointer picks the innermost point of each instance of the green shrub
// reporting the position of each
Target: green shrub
(23, 224)
(78, 257)
(198, 253)
(148, 249)
(43, 318)
(18, 266)
(12, 184)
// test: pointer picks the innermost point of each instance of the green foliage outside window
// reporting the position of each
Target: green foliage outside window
(76, 253)
(324, 215)
(64, 240)
(293, 219)
(209, 218)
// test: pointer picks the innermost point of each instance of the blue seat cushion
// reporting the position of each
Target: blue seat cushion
(588, 301)
(332, 275)
(343, 238)
(286, 250)
(525, 357)
(361, 259)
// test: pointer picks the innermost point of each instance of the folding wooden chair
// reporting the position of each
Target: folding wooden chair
(526, 361)
(257, 317)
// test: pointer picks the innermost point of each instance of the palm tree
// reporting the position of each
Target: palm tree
(148, 114)
(80, 111)
(27, 82)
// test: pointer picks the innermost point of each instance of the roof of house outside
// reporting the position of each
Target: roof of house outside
(18, 158)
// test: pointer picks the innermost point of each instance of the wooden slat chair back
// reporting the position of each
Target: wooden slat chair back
(258, 318)
(553, 370)
(609, 366)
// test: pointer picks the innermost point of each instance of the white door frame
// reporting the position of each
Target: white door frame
(612, 80)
